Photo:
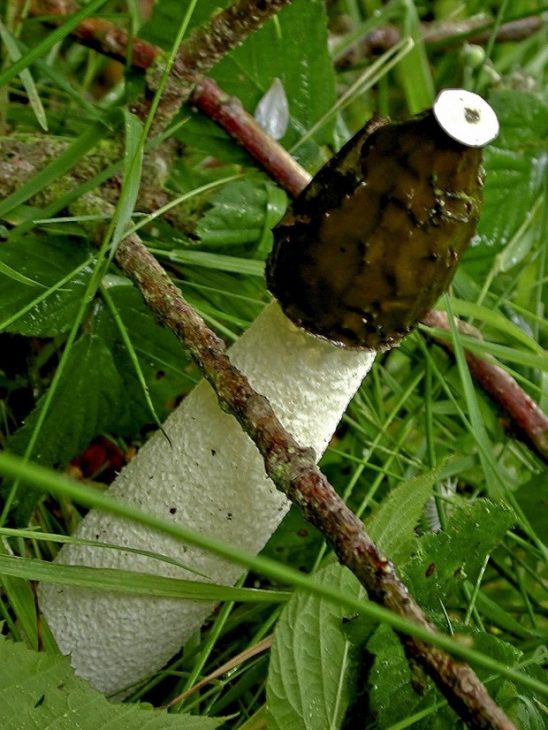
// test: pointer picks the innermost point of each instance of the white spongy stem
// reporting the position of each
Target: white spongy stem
(211, 480)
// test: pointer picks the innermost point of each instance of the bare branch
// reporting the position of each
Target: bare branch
(523, 414)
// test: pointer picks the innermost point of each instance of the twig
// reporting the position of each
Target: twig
(229, 113)
(471, 30)
(234, 661)
(524, 415)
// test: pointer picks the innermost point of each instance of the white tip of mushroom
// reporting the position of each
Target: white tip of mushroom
(466, 117)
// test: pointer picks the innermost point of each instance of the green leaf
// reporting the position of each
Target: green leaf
(237, 214)
(131, 582)
(163, 361)
(392, 525)
(521, 705)
(38, 691)
(523, 118)
(444, 560)
(532, 497)
(86, 400)
(515, 166)
(310, 678)
(292, 47)
(512, 185)
(391, 696)
(58, 270)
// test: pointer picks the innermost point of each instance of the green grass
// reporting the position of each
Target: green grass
(419, 409)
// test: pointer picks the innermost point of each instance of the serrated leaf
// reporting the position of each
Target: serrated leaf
(445, 559)
(391, 695)
(512, 185)
(521, 705)
(515, 166)
(85, 403)
(392, 525)
(38, 691)
(310, 675)
(523, 118)
(47, 263)
(277, 50)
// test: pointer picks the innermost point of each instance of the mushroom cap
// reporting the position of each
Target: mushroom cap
(368, 247)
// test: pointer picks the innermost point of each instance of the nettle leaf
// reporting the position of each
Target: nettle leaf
(165, 364)
(392, 525)
(238, 214)
(38, 295)
(395, 692)
(519, 703)
(515, 166)
(444, 560)
(86, 400)
(38, 690)
(523, 120)
(311, 673)
(278, 51)
(291, 47)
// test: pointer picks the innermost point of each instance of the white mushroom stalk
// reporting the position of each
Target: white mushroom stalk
(212, 480)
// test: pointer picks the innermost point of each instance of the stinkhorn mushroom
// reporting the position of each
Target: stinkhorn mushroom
(362, 252)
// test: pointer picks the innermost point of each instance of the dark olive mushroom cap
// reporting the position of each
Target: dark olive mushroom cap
(368, 247)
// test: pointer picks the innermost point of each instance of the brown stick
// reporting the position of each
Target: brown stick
(229, 113)
(524, 415)
(471, 30)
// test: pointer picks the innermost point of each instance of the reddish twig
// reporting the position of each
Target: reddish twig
(229, 113)
(524, 415)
